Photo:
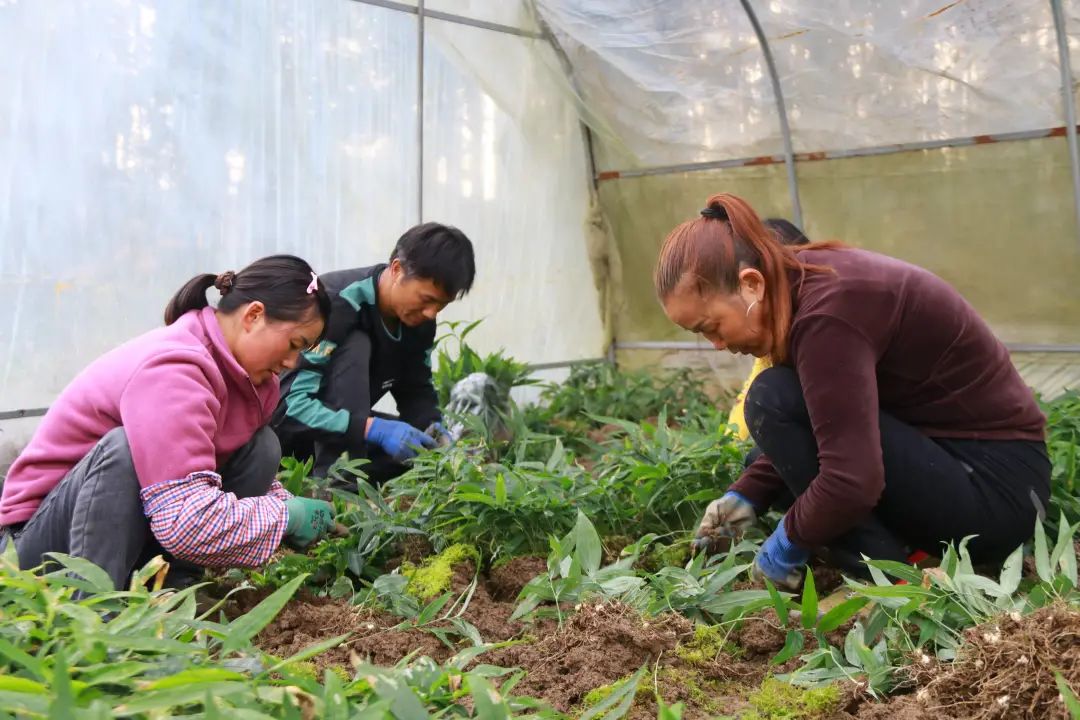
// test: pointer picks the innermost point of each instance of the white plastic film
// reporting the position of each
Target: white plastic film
(685, 80)
(505, 161)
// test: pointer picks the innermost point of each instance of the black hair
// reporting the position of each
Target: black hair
(787, 232)
(279, 282)
(440, 253)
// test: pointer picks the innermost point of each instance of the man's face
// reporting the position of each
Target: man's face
(415, 300)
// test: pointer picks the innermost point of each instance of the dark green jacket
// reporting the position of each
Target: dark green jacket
(327, 400)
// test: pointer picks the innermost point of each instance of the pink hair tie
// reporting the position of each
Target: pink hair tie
(313, 286)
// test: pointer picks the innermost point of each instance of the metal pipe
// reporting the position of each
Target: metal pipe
(1068, 100)
(17, 414)
(586, 133)
(390, 5)
(38, 412)
(835, 154)
(662, 345)
(1032, 348)
(482, 24)
(564, 364)
(568, 70)
(785, 129)
(450, 17)
(1037, 348)
(420, 112)
(1026, 348)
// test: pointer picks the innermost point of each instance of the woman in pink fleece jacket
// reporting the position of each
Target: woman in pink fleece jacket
(162, 444)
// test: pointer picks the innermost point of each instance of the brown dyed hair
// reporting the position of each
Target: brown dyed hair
(709, 251)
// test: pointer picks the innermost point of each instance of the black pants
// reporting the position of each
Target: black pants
(345, 387)
(936, 490)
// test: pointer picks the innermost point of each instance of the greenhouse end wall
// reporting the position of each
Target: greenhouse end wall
(995, 220)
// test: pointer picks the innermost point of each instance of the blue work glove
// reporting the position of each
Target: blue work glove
(399, 440)
(442, 437)
(781, 560)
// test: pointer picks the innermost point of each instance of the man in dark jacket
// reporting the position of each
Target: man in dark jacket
(381, 333)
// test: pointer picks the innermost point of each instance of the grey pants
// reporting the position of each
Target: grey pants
(96, 513)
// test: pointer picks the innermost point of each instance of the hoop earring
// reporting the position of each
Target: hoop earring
(750, 307)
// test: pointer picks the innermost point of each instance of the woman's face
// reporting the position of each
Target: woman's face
(266, 347)
(736, 322)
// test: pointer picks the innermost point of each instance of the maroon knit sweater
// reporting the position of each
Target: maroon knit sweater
(881, 334)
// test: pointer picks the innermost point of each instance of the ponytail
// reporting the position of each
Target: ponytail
(190, 297)
(709, 251)
(286, 286)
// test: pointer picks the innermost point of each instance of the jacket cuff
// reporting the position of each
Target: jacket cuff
(356, 431)
(760, 497)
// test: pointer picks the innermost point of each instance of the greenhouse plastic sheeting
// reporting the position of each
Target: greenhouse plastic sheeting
(505, 161)
(678, 81)
(996, 221)
(144, 142)
(510, 13)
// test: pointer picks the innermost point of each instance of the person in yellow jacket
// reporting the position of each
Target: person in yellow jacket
(788, 234)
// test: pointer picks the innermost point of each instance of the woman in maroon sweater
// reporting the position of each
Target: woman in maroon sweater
(892, 420)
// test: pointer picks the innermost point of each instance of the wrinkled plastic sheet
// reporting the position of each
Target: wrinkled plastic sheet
(142, 142)
(677, 81)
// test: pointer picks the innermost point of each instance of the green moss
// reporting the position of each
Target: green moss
(708, 643)
(778, 700)
(701, 693)
(615, 544)
(307, 670)
(302, 669)
(433, 577)
(601, 693)
(661, 555)
(341, 672)
(676, 555)
(597, 695)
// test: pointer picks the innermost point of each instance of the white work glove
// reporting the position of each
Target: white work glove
(727, 518)
(479, 395)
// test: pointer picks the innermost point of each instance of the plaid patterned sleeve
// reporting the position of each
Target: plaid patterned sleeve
(194, 520)
(277, 491)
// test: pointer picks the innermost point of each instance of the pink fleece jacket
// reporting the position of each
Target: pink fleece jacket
(185, 405)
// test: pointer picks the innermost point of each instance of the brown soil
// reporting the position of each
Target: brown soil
(1004, 670)
(414, 548)
(597, 646)
(904, 707)
(826, 578)
(603, 643)
(760, 635)
(506, 581)
(603, 433)
(491, 617)
(307, 620)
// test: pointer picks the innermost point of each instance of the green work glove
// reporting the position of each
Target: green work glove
(309, 520)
